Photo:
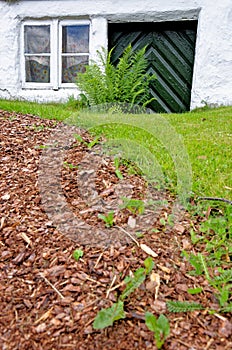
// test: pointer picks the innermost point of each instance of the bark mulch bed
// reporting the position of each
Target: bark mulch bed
(48, 300)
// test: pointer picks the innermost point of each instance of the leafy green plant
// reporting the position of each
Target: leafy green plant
(160, 327)
(128, 82)
(90, 144)
(76, 104)
(171, 220)
(183, 306)
(222, 282)
(44, 146)
(106, 317)
(94, 142)
(224, 277)
(136, 206)
(36, 127)
(217, 234)
(196, 263)
(137, 279)
(223, 295)
(79, 138)
(108, 218)
(195, 238)
(131, 166)
(139, 234)
(77, 254)
(162, 221)
(117, 170)
(70, 165)
(227, 308)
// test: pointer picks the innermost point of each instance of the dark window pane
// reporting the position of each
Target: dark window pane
(37, 39)
(75, 39)
(71, 66)
(37, 69)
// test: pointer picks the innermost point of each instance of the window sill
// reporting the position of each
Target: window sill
(42, 87)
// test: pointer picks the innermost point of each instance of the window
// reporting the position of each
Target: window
(54, 52)
(37, 52)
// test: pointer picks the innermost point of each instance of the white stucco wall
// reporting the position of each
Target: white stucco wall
(212, 78)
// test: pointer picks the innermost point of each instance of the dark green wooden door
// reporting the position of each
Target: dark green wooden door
(170, 52)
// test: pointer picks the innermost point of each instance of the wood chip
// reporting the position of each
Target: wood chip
(44, 316)
(26, 238)
(148, 250)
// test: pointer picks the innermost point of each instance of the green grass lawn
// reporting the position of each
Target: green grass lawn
(206, 136)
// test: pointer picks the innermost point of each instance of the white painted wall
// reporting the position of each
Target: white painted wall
(212, 79)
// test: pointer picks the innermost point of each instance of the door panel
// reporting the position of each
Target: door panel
(170, 53)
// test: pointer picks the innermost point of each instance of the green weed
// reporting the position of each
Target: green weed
(108, 218)
(106, 317)
(70, 165)
(117, 163)
(183, 306)
(135, 206)
(90, 144)
(160, 327)
(77, 254)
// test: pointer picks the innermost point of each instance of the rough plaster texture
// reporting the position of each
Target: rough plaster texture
(212, 78)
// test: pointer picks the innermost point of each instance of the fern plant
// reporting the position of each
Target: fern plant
(127, 82)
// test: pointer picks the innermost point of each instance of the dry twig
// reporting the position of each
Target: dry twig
(51, 285)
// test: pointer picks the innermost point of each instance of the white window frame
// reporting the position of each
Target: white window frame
(69, 23)
(55, 54)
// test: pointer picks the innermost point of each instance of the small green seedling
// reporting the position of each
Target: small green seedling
(12, 117)
(195, 262)
(195, 238)
(163, 222)
(95, 141)
(137, 279)
(79, 138)
(108, 219)
(38, 127)
(43, 146)
(46, 146)
(70, 165)
(88, 144)
(171, 220)
(160, 327)
(139, 234)
(117, 165)
(136, 206)
(77, 254)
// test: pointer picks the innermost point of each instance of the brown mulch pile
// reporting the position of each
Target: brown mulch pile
(49, 206)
